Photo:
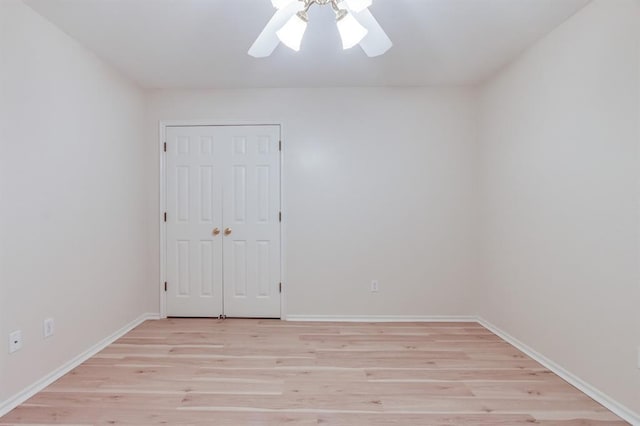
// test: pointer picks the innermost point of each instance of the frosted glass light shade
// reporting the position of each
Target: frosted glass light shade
(355, 5)
(292, 32)
(351, 32)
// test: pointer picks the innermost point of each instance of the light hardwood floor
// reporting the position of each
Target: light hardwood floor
(268, 372)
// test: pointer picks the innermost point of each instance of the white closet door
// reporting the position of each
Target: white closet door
(251, 207)
(194, 174)
(224, 178)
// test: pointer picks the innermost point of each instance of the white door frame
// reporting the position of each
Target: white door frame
(163, 124)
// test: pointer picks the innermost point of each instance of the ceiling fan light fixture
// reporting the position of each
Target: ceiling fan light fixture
(292, 32)
(289, 24)
(351, 32)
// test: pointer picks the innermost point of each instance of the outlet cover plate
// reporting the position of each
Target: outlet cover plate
(48, 327)
(15, 341)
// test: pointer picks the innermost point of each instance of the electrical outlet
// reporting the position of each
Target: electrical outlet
(374, 286)
(48, 327)
(638, 356)
(15, 341)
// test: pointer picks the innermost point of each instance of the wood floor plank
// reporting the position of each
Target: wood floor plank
(246, 372)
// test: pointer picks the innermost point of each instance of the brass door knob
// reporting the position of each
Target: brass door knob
(216, 231)
(227, 231)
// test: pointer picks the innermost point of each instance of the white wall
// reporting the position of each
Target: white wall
(377, 185)
(559, 188)
(73, 234)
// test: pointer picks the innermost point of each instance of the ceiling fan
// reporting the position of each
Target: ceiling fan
(289, 23)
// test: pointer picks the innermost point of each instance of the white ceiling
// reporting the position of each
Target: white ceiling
(203, 43)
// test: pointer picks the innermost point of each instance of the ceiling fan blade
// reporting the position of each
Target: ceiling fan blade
(281, 4)
(357, 5)
(376, 42)
(267, 41)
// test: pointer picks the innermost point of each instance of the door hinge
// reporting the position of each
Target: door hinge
(279, 145)
(280, 287)
(165, 147)
(165, 216)
(165, 286)
(279, 216)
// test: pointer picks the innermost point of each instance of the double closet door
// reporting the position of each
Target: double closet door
(223, 221)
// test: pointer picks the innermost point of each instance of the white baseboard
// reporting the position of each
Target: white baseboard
(600, 397)
(381, 318)
(13, 402)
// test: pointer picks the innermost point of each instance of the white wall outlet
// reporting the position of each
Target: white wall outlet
(48, 327)
(374, 286)
(638, 356)
(15, 341)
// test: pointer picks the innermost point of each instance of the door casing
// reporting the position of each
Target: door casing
(163, 202)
